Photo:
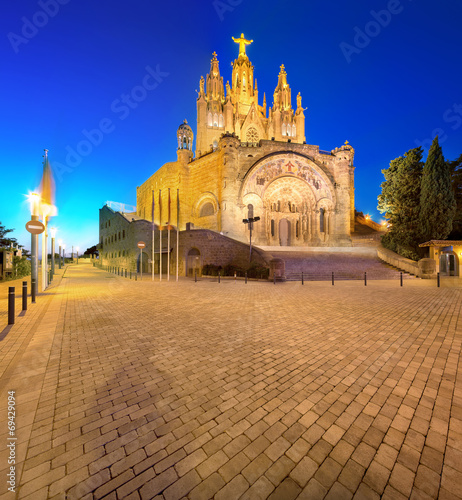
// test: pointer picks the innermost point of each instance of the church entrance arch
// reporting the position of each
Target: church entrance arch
(292, 188)
(193, 262)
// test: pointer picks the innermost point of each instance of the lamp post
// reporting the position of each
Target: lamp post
(250, 222)
(77, 251)
(53, 236)
(34, 200)
(64, 254)
(44, 209)
(60, 242)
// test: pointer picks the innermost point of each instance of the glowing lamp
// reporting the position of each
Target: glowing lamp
(34, 201)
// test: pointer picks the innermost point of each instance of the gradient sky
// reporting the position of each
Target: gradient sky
(384, 75)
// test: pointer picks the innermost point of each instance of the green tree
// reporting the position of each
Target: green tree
(4, 240)
(455, 168)
(91, 251)
(400, 202)
(21, 266)
(437, 202)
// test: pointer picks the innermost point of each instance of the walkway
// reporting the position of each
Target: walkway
(202, 390)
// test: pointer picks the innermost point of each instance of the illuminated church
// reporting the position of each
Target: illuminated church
(252, 160)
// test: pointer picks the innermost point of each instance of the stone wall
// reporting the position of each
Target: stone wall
(120, 233)
(392, 258)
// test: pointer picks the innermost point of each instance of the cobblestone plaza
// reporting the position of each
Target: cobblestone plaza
(134, 389)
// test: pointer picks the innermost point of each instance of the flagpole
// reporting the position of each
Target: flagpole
(44, 252)
(160, 234)
(177, 229)
(168, 238)
(152, 260)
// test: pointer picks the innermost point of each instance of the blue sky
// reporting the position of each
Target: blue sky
(384, 75)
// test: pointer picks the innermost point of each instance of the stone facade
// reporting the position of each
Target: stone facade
(120, 233)
(250, 162)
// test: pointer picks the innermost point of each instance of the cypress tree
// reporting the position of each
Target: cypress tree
(400, 201)
(437, 203)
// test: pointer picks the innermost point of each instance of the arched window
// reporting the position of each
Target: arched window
(215, 120)
(294, 131)
(297, 229)
(272, 227)
(206, 209)
(321, 219)
(283, 129)
(220, 121)
(210, 119)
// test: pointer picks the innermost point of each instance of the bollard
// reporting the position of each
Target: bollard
(438, 279)
(218, 276)
(24, 295)
(332, 278)
(246, 277)
(401, 278)
(11, 305)
(365, 278)
(235, 278)
(33, 289)
(136, 276)
(195, 276)
(302, 278)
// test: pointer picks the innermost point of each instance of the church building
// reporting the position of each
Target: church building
(252, 160)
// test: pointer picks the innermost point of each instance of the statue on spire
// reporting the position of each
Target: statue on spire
(242, 43)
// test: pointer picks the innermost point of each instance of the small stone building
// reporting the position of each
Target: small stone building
(446, 254)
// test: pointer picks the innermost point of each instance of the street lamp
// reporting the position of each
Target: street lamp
(250, 222)
(64, 254)
(77, 251)
(34, 200)
(60, 242)
(53, 236)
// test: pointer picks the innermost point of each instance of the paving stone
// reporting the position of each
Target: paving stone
(114, 416)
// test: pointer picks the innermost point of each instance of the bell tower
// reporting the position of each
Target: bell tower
(210, 111)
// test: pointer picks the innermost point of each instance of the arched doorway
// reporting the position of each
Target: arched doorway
(284, 232)
(194, 262)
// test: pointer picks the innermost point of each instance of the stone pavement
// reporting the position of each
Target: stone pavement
(202, 390)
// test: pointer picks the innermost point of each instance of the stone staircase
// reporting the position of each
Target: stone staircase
(346, 264)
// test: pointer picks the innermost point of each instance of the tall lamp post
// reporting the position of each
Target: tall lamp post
(60, 242)
(34, 200)
(53, 236)
(77, 251)
(250, 222)
(64, 254)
